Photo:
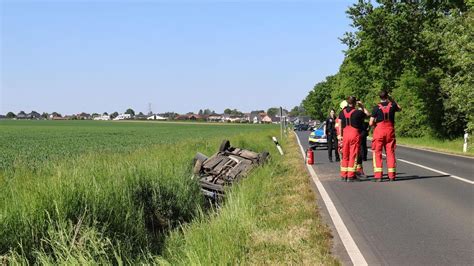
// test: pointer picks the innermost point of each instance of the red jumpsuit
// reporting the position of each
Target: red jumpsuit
(384, 137)
(350, 147)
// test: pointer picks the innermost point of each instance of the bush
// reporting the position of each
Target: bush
(413, 121)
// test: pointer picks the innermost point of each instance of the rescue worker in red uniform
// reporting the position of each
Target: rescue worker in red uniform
(383, 119)
(351, 123)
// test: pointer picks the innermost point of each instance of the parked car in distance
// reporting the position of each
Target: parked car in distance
(302, 127)
(317, 138)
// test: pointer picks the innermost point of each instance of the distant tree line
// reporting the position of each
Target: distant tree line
(421, 52)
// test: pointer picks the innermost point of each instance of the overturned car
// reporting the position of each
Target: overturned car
(222, 169)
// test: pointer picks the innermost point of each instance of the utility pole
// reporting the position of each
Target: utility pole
(150, 112)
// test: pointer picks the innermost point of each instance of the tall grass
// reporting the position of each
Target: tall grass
(105, 206)
(131, 199)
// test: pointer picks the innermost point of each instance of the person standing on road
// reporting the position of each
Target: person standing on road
(351, 124)
(331, 135)
(362, 154)
(364, 133)
(383, 119)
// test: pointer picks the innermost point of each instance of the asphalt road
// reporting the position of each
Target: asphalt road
(424, 218)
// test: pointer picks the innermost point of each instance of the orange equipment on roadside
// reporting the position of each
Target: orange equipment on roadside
(310, 156)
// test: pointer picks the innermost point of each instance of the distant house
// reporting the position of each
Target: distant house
(102, 117)
(33, 115)
(275, 119)
(21, 115)
(123, 117)
(264, 118)
(140, 117)
(55, 116)
(156, 117)
(83, 116)
(246, 117)
(255, 117)
(189, 117)
(215, 118)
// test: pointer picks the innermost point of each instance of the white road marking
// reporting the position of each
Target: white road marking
(434, 170)
(346, 238)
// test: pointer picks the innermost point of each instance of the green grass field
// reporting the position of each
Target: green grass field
(86, 192)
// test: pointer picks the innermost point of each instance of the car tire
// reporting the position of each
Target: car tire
(225, 145)
(262, 157)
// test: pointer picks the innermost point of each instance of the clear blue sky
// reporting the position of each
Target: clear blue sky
(180, 56)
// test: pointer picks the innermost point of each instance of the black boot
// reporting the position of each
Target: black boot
(330, 159)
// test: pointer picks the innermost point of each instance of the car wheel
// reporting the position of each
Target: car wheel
(262, 157)
(224, 146)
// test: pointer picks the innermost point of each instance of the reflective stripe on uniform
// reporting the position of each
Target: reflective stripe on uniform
(351, 169)
(376, 169)
(392, 170)
(344, 169)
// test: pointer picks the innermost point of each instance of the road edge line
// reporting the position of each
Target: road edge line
(351, 247)
(437, 171)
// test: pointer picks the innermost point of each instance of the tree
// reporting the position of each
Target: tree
(141, 114)
(318, 102)
(170, 115)
(105, 113)
(297, 111)
(114, 115)
(11, 115)
(130, 112)
(227, 111)
(200, 112)
(45, 115)
(420, 51)
(95, 114)
(273, 111)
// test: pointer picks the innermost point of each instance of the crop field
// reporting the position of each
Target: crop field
(89, 191)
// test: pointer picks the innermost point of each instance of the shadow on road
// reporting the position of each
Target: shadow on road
(403, 178)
